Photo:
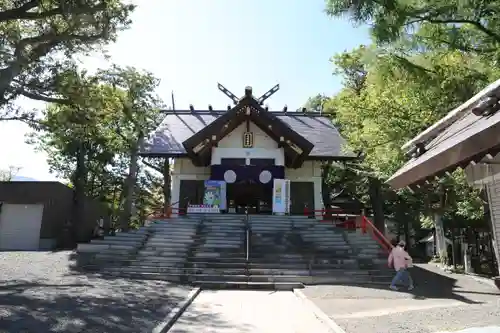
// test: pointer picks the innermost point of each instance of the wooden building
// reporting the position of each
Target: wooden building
(247, 146)
(33, 215)
(468, 138)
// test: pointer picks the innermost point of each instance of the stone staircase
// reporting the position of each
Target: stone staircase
(231, 250)
(158, 251)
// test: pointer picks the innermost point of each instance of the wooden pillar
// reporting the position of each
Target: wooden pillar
(167, 182)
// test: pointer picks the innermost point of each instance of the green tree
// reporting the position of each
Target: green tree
(39, 39)
(421, 26)
(315, 103)
(94, 140)
(384, 104)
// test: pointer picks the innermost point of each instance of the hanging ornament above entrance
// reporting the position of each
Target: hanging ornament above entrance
(265, 177)
(229, 176)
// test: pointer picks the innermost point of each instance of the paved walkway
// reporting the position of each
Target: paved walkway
(226, 311)
(440, 303)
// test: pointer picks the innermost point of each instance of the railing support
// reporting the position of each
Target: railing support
(248, 244)
(247, 236)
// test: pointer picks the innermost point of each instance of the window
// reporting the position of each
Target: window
(232, 161)
(262, 162)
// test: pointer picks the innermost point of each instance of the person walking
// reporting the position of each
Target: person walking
(400, 260)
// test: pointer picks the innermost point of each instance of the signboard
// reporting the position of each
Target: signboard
(205, 209)
(215, 193)
(281, 196)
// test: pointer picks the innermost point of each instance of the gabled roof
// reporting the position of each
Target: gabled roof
(177, 126)
(199, 145)
(468, 138)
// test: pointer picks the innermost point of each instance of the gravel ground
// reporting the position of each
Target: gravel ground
(40, 293)
(440, 302)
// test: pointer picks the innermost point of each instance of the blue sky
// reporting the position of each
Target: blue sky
(193, 44)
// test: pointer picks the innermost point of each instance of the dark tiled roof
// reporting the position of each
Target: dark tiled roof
(176, 127)
(461, 142)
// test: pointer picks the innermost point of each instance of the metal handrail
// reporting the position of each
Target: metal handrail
(247, 227)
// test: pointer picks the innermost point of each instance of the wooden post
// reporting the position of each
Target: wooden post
(363, 221)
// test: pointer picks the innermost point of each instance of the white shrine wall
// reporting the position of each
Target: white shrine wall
(183, 169)
(231, 147)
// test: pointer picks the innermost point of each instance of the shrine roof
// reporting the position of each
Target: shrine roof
(177, 126)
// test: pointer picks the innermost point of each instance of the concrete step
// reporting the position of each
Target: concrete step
(306, 252)
(323, 235)
(115, 242)
(118, 250)
(146, 269)
(162, 252)
(168, 244)
(270, 223)
(219, 247)
(267, 229)
(247, 285)
(159, 241)
(217, 271)
(177, 262)
(174, 225)
(172, 231)
(222, 228)
(210, 257)
(145, 276)
(222, 243)
(229, 239)
(126, 236)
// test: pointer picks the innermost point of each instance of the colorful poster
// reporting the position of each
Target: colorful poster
(278, 196)
(215, 194)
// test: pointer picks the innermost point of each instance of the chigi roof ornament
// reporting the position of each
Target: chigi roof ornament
(249, 93)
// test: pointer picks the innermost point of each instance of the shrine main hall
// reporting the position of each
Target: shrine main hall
(247, 148)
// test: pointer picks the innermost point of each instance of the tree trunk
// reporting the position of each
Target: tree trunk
(440, 240)
(167, 181)
(377, 203)
(79, 182)
(325, 189)
(406, 226)
(129, 186)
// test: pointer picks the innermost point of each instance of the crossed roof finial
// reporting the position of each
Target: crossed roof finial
(248, 93)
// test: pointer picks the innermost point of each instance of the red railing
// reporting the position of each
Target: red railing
(162, 213)
(351, 221)
(334, 215)
(368, 227)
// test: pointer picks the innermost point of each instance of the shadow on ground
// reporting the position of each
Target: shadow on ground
(42, 292)
(432, 283)
(28, 306)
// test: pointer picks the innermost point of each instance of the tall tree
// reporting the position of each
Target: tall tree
(94, 140)
(38, 38)
(393, 104)
(140, 106)
(315, 103)
(454, 25)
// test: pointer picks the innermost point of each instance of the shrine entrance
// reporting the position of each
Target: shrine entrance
(247, 194)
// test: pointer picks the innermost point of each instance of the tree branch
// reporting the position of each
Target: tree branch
(43, 98)
(23, 12)
(475, 24)
(16, 13)
(152, 166)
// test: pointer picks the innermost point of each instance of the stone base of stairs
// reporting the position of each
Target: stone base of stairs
(248, 285)
(210, 251)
